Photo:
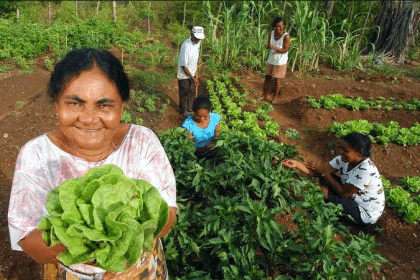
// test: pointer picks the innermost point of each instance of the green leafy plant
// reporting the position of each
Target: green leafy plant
(398, 198)
(126, 117)
(104, 217)
(411, 182)
(139, 121)
(272, 128)
(291, 133)
(333, 101)
(391, 132)
(20, 104)
(221, 224)
(48, 63)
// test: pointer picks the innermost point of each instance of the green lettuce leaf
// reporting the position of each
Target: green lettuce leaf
(104, 217)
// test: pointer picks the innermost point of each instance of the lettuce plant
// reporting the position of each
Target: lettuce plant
(411, 182)
(104, 217)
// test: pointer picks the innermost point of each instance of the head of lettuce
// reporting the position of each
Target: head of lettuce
(101, 192)
(104, 217)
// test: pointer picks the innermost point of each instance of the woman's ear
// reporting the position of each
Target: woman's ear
(123, 106)
(56, 108)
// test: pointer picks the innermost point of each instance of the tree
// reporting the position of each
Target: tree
(397, 23)
(8, 7)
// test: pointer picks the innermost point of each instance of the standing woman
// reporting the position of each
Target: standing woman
(278, 44)
(358, 188)
(89, 89)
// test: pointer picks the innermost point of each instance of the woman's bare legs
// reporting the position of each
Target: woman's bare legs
(277, 88)
(266, 86)
(325, 191)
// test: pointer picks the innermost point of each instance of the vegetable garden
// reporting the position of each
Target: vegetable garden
(246, 217)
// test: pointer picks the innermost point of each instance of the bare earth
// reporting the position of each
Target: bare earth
(400, 242)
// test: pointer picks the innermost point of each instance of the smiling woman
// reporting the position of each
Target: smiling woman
(89, 88)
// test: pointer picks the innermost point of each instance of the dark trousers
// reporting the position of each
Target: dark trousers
(350, 207)
(186, 95)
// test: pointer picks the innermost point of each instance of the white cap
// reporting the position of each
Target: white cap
(198, 32)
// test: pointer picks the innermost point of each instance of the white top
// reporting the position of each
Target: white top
(276, 58)
(41, 166)
(188, 56)
(365, 176)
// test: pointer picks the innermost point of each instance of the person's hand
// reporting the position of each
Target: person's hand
(290, 163)
(315, 166)
(108, 275)
(195, 81)
(268, 46)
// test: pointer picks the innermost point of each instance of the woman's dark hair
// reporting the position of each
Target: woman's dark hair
(277, 20)
(360, 142)
(77, 61)
(201, 102)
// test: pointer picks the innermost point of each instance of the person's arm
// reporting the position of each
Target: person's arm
(191, 137)
(187, 71)
(34, 246)
(217, 130)
(326, 171)
(286, 45)
(209, 145)
(295, 164)
(267, 46)
(344, 191)
(169, 223)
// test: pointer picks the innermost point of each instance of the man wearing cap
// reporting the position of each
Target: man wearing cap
(187, 69)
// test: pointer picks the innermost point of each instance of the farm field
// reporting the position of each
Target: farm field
(25, 112)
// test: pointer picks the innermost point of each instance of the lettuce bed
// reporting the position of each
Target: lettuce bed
(104, 217)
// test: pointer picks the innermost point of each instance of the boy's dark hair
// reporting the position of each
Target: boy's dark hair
(201, 102)
(277, 20)
(360, 142)
(77, 61)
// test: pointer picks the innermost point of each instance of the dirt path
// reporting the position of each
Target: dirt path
(400, 241)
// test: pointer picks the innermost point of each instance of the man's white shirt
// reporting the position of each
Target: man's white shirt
(188, 56)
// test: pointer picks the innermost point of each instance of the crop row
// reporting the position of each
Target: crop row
(228, 102)
(391, 132)
(226, 227)
(333, 101)
(401, 200)
(144, 102)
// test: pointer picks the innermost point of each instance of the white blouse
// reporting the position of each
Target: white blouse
(365, 176)
(276, 58)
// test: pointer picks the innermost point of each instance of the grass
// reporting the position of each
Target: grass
(5, 68)
(146, 78)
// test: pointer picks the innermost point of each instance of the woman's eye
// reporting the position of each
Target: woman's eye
(105, 106)
(73, 104)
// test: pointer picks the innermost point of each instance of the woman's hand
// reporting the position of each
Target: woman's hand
(268, 46)
(34, 246)
(290, 163)
(295, 164)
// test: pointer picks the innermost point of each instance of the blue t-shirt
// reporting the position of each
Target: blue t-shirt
(202, 136)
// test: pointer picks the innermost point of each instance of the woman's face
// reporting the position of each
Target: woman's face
(89, 110)
(348, 153)
(201, 115)
(279, 27)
